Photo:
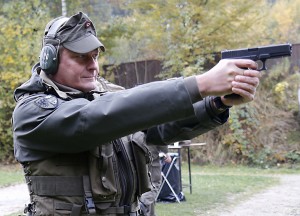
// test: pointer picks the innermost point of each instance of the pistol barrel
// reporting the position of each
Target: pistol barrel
(259, 53)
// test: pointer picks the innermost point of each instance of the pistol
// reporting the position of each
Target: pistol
(259, 53)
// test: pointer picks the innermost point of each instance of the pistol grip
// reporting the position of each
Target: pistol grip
(233, 96)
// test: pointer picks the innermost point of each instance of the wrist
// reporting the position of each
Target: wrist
(202, 85)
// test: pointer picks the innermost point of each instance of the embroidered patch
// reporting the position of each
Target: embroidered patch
(47, 102)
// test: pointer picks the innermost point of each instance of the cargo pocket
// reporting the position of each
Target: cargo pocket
(102, 175)
(142, 159)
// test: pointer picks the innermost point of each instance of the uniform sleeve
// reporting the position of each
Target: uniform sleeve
(188, 128)
(47, 124)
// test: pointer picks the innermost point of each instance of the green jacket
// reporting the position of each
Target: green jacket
(54, 123)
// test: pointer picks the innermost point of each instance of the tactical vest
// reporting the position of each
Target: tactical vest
(104, 181)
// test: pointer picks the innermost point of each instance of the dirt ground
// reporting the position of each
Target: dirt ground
(280, 200)
(13, 199)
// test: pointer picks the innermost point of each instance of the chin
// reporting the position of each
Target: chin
(88, 88)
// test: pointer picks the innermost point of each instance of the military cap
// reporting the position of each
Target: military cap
(77, 34)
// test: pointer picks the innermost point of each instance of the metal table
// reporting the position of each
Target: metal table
(178, 147)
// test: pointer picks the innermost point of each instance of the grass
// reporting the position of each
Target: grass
(10, 175)
(214, 187)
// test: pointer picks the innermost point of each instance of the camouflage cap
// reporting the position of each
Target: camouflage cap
(78, 34)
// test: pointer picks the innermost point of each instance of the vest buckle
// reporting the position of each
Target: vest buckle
(89, 205)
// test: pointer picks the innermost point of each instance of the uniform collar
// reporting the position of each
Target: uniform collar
(66, 92)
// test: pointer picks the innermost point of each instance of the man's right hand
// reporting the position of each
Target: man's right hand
(228, 77)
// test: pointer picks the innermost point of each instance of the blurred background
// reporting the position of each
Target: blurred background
(148, 40)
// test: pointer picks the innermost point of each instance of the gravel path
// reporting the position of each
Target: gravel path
(280, 200)
(13, 199)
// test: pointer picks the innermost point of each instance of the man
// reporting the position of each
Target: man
(83, 145)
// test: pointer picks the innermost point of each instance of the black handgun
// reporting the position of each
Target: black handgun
(259, 53)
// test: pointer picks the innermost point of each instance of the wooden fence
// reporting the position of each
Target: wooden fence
(131, 74)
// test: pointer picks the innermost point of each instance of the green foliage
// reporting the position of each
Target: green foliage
(293, 156)
(283, 83)
(20, 34)
(242, 125)
(22, 26)
(265, 132)
(197, 31)
(282, 22)
(185, 35)
(10, 174)
(262, 133)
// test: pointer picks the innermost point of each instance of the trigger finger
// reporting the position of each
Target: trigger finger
(252, 73)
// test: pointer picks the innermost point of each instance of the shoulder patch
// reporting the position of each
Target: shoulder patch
(47, 102)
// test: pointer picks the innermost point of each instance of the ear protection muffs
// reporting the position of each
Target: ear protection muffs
(49, 53)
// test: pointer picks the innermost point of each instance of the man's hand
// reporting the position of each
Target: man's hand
(244, 87)
(228, 77)
(168, 158)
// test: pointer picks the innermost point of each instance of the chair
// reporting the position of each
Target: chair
(167, 169)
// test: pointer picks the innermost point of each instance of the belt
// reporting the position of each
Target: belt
(73, 186)
(55, 186)
(111, 211)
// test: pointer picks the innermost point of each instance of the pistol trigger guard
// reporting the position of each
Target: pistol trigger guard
(264, 67)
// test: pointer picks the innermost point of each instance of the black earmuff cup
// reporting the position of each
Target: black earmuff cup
(48, 59)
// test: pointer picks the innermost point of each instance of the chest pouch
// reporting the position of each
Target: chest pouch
(141, 159)
(102, 175)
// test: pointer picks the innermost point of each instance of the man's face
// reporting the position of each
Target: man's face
(78, 71)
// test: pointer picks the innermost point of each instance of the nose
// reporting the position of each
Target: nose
(92, 63)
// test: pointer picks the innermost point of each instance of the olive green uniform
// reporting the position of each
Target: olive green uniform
(86, 153)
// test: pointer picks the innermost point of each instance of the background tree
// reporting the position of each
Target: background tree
(20, 34)
(186, 36)
(22, 28)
